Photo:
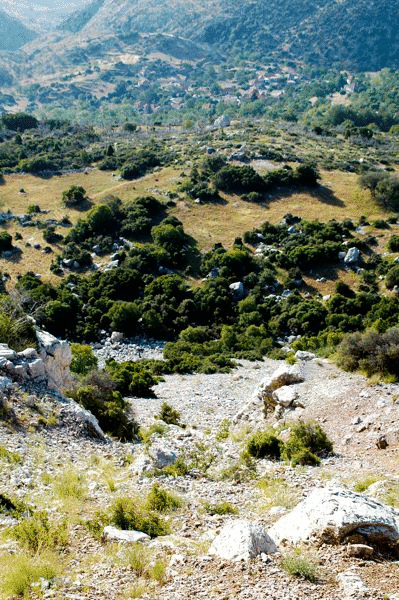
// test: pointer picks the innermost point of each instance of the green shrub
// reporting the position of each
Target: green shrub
(131, 377)
(178, 469)
(98, 395)
(393, 243)
(23, 571)
(74, 196)
(83, 359)
(11, 457)
(298, 566)
(223, 430)
(15, 508)
(145, 433)
(161, 500)
(126, 514)
(372, 352)
(264, 444)
(169, 415)
(141, 561)
(306, 442)
(5, 241)
(221, 508)
(38, 533)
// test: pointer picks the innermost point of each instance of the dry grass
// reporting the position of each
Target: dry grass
(339, 197)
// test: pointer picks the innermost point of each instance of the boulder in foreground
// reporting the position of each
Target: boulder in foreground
(334, 514)
(242, 540)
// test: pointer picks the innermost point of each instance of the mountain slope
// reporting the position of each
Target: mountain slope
(361, 35)
(13, 33)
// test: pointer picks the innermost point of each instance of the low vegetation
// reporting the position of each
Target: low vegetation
(304, 446)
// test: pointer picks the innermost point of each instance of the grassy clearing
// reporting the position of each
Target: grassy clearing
(338, 197)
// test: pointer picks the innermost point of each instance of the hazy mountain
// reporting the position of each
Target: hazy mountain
(362, 34)
(13, 33)
(41, 15)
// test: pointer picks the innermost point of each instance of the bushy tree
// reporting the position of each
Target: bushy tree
(74, 196)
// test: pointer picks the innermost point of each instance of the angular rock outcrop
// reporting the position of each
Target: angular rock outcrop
(49, 367)
(56, 356)
(332, 514)
(242, 540)
(264, 399)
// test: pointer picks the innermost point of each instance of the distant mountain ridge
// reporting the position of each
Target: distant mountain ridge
(362, 35)
(13, 33)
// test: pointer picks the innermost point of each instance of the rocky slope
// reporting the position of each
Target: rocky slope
(54, 447)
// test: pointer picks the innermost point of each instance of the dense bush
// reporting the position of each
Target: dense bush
(19, 121)
(126, 514)
(131, 378)
(372, 352)
(5, 241)
(75, 196)
(393, 243)
(307, 441)
(239, 179)
(264, 444)
(98, 394)
(83, 359)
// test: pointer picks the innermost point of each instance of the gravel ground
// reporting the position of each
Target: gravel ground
(352, 412)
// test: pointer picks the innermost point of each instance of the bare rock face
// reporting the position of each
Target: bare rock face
(332, 514)
(242, 540)
(56, 356)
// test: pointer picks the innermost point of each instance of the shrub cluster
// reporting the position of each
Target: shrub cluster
(306, 443)
(371, 352)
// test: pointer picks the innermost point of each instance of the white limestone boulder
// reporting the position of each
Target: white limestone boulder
(162, 455)
(303, 355)
(285, 396)
(242, 540)
(331, 514)
(7, 353)
(352, 256)
(113, 534)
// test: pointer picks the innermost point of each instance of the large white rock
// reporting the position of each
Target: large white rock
(123, 535)
(331, 514)
(285, 396)
(352, 256)
(263, 399)
(303, 355)
(56, 355)
(162, 455)
(242, 540)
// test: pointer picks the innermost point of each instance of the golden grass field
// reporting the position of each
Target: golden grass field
(338, 197)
